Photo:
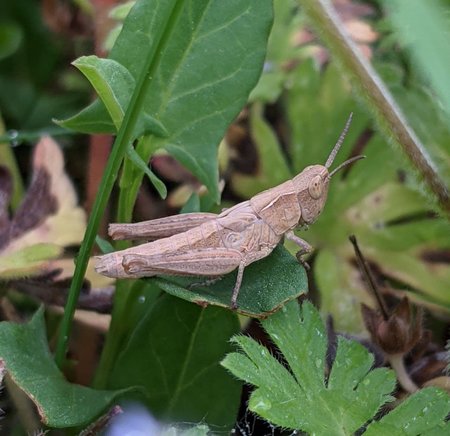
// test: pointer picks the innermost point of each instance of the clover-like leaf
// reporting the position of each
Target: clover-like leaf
(311, 397)
(423, 413)
(303, 397)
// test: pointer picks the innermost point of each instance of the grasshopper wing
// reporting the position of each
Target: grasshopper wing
(159, 228)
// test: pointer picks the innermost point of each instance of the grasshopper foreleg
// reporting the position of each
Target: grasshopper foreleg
(305, 248)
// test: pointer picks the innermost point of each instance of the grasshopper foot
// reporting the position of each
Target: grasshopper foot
(299, 255)
(305, 248)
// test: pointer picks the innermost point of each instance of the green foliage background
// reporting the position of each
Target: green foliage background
(176, 77)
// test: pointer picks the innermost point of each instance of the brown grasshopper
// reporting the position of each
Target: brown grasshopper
(211, 245)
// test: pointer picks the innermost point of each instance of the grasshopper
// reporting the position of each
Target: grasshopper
(211, 245)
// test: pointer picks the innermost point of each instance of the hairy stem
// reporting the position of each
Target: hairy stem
(398, 365)
(377, 96)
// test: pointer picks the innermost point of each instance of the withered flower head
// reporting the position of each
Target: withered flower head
(397, 334)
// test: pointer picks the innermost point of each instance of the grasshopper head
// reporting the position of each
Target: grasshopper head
(312, 183)
(312, 190)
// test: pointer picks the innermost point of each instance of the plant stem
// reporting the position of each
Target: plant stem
(19, 137)
(123, 297)
(129, 187)
(131, 180)
(124, 137)
(398, 365)
(378, 98)
(8, 160)
(367, 274)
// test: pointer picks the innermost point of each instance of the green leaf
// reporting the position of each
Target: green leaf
(104, 245)
(300, 397)
(120, 11)
(426, 44)
(138, 161)
(266, 286)
(113, 83)
(10, 38)
(315, 132)
(421, 413)
(202, 79)
(174, 355)
(28, 260)
(192, 205)
(24, 350)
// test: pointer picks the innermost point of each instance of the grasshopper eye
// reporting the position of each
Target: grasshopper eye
(315, 187)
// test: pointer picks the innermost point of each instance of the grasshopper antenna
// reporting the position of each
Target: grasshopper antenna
(339, 142)
(344, 164)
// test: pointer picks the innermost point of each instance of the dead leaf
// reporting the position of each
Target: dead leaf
(47, 220)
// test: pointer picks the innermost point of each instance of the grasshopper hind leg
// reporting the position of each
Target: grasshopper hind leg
(213, 280)
(212, 263)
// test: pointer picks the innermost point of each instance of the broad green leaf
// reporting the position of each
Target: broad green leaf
(143, 294)
(423, 413)
(24, 350)
(266, 286)
(10, 38)
(202, 79)
(174, 354)
(300, 397)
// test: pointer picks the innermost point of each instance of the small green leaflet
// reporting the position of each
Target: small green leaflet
(138, 161)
